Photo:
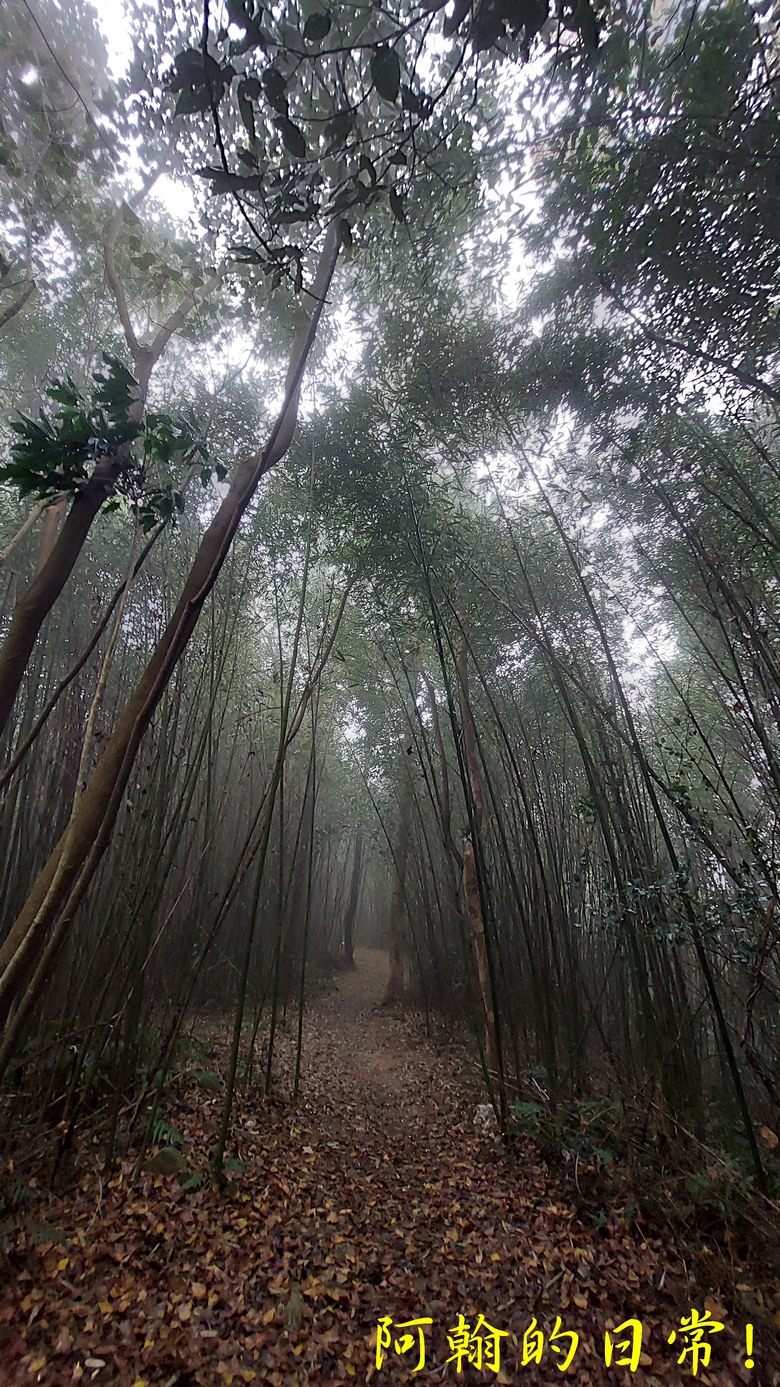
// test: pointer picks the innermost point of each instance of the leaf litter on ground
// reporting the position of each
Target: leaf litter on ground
(373, 1197)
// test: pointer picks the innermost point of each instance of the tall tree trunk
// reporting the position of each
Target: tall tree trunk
(477, 925)
(354, 892)
(35, 604)
(57, 559)
(471, 891)
(395, 979)
(62, 883)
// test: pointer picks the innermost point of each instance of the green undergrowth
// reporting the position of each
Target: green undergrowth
(617, 1162)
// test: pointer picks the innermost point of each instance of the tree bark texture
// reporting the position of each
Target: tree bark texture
(477, 926)
(62, 883)
(55, 568)
(395, 980)
(471, 892)
(352, 904)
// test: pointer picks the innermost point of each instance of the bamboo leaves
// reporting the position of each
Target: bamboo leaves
(293, 138)
(317, 26)
(386, 73)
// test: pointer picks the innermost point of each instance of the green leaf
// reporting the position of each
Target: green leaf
(169, 1161)
(189, 70)
(64, 392)
(237, 13)
(195, 1181)
(246, 110)
(317, 27)
(410, 101)
(386, 73)
(397, 206)
(293, 138)
(246, 255)
(222, 182)
(192, 101)
(275, 89)
(42, 1233)
(338, 128)
(208, 1079)
(163, 1131)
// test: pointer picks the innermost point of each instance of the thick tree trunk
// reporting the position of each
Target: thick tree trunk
(354, 892)
(35, 604)
(63, 881)
(395, 979)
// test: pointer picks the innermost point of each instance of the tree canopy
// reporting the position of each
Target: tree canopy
(391, 551)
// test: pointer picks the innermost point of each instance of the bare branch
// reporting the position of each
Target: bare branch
(17, 305)
(112, 275)
(33, 517)
(180, 314)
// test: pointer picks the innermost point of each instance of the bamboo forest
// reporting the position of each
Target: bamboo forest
(389, 692)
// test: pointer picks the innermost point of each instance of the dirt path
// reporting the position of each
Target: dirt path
(375, 1198)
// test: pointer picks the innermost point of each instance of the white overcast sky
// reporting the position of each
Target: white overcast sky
(113, 23)
(111, 17)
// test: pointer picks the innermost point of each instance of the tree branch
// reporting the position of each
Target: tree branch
(17, 305)
(33, 517)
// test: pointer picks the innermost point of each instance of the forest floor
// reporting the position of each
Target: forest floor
(374, 1197)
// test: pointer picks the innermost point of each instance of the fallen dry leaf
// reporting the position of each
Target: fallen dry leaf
(378, 1199)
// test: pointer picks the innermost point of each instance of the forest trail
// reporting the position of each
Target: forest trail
(374, 1197)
